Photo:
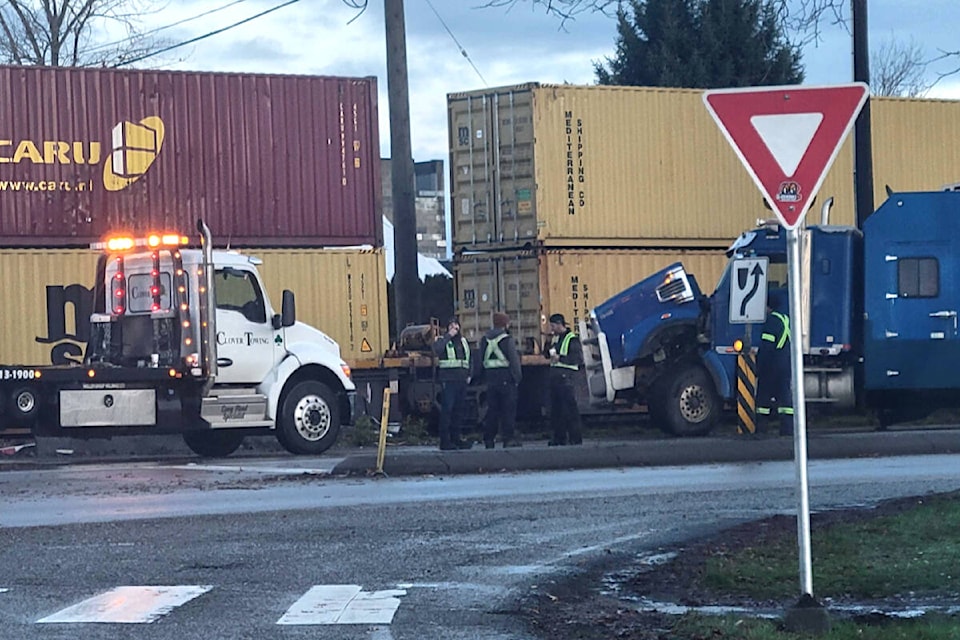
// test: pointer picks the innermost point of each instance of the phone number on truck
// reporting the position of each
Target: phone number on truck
(19, 374)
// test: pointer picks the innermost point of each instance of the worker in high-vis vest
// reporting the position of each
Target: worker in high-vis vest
(566, 358)
(453, 372)
(498, 366)
(774, 391)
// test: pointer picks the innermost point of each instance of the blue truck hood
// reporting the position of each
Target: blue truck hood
(630, 317)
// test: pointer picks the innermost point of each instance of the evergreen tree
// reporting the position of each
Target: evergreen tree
(702, 44)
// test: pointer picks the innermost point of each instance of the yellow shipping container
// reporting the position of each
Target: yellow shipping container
(531, 285)
(342, 292)
(560, 165)
(48, 297)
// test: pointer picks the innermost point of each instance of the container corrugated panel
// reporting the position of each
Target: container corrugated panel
(914, 144)
(342, 292)
(265, 160)
(531, 285)
(632, 167)
(48, 298)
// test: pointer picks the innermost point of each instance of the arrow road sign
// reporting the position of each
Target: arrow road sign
(787, 137)
(748, 291)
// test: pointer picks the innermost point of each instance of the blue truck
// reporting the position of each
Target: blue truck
(879, 319)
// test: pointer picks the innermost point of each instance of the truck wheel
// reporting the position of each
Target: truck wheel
(309, 418)
(23, 406)
(213, 444)
(685, 403)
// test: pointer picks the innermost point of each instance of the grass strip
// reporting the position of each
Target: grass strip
(930, 627)
(915, 552)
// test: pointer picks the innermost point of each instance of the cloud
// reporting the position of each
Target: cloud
(507, 46)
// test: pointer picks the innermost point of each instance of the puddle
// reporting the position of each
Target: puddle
(616, 583)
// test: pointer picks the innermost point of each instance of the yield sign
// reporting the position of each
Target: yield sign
(787, 137)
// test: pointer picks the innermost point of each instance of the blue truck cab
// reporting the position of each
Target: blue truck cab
(879, 321)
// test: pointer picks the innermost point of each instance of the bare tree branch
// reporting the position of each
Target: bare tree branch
(56, 32)
(898, 69)
(801, 17)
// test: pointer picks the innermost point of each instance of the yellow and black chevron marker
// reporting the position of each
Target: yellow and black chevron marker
(747, 392)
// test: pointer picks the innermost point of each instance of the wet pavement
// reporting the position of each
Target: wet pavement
(533, 455)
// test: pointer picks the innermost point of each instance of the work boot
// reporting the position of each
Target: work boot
(512, 443)
(488, 444)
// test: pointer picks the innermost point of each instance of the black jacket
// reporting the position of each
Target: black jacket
(574, 355)
(508, 345)
(462, 351)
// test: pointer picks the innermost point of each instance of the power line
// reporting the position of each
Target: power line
(204, 36)
(163, 28)
(463, 51)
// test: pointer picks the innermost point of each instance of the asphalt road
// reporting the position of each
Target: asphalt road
(238, 546)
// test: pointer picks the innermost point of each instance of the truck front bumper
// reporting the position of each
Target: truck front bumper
(348, 407)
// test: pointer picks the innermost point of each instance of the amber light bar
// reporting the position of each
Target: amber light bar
(121, 243)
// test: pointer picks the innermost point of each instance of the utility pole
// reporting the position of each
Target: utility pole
(863, 146)
(406, 292)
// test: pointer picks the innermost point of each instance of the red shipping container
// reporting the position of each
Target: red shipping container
(265, 160)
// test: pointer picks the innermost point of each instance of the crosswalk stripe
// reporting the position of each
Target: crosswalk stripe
(343, 604)
(128, 604)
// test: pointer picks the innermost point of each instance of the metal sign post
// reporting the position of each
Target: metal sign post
(799, 412)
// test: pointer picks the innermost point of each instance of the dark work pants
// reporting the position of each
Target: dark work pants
(774, 392)
(564, 412)
(501, 411)
(451, 411)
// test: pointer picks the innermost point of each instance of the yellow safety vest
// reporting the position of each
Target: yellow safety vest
(564, 350)
(494, 358)
(451, 361)
(784, 335)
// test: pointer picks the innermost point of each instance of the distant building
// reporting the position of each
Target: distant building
(429, 203)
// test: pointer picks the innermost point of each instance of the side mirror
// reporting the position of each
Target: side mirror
(288, 311)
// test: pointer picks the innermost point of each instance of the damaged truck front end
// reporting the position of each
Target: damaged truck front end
(649, 336)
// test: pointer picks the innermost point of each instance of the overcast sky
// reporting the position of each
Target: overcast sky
(326, 37)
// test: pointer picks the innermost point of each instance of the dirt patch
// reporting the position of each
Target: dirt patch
(602, 601)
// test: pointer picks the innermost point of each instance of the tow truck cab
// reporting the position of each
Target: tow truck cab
(185, 340)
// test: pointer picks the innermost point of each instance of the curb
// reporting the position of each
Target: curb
(649, 453)
(593, 454)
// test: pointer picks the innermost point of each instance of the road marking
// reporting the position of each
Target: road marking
(323, 468)
(129, 605)
(343, 604)
(4, 589)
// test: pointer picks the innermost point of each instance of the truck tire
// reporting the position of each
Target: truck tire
(309, 418)
(23, 406)
(213, 444)
(685, 403)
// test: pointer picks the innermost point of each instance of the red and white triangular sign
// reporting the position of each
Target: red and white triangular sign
(787, 137)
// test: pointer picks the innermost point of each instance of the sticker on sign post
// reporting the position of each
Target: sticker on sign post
(787, 137)
(748, 291)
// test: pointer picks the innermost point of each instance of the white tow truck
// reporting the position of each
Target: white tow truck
(160, 362)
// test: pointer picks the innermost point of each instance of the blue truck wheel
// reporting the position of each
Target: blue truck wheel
(684, 402)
